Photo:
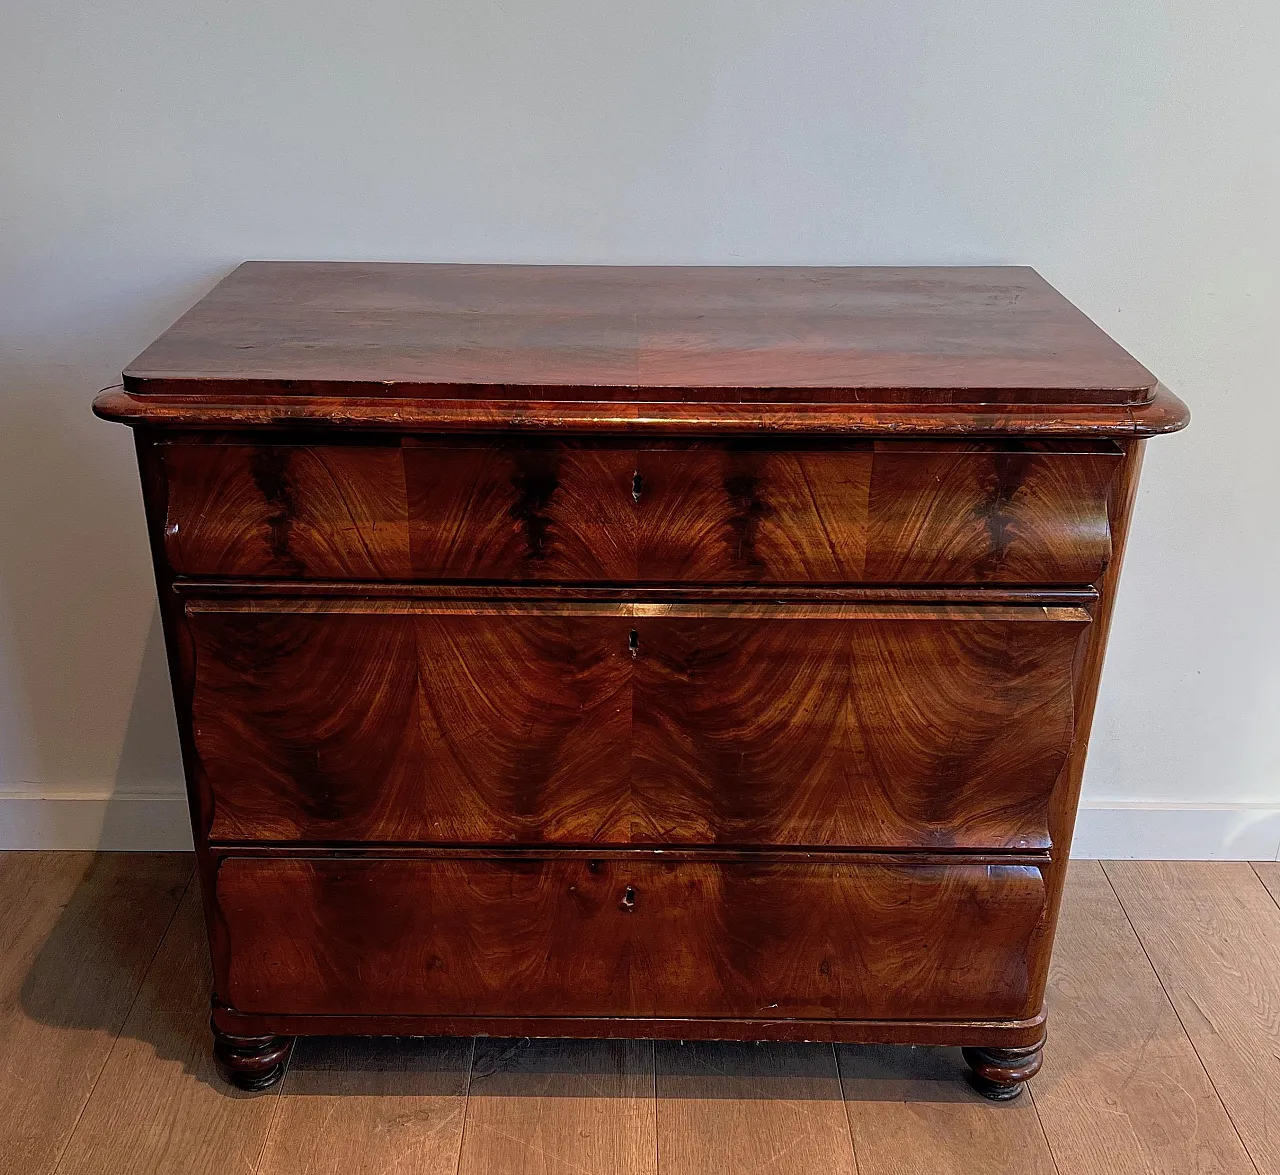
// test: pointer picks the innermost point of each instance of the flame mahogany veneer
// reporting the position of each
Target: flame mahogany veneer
(704, 653)
(608, 724)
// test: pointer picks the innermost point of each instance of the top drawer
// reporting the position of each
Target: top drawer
(882, 512)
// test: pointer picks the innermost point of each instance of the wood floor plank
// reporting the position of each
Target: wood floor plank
(180, 977)
(560, 1106)
(750, 1108)
(1212, 932)
(358, 1104)
(80, 931)
(1269, 874)
(160, 1106)
(1122, 1091)
(912, 1113)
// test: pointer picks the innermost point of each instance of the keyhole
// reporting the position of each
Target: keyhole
(637, 484)
(628, 902)
(633, 642)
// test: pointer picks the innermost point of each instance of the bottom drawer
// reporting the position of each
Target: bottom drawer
(571, 934)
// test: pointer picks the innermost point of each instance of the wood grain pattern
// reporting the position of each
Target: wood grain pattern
(1212, 933)
(976, 334)
(582, 936)
(1164, 414)
(79, 932)
(1269, 874)
(917, 731)
(287, 510)
(464, 731)
(555, 1107)
(1075, 595)
(809, 543)
(370, 1104)
(160, 1107)
(716, 1028)
(180, 976)
(613, 724)
(885, 512)
(518, 512)
(750, 1107)
(1066, 797)
(891, 512)
(911, 1113)
(1123, 1092)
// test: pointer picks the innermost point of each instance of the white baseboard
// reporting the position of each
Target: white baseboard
(1142, 831)
(1107, 830)
(111, 821)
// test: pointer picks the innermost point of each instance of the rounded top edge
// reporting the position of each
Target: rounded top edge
(1164, 413)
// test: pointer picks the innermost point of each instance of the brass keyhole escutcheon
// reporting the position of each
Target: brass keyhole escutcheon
(633, 642)
(628, 903)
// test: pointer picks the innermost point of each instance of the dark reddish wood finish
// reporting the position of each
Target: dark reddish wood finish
(885, 512)
(1001, 1073)
(922, 1032)
(585, 936)
(944, 335)
(692, 653)
(636, 593)
(231, 409)
(876, 512)
(252, 1062)
(466, 722)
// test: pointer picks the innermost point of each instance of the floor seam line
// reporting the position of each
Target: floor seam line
(124, 1020)
(1213, 1085)
(1254, 866)
(844, 1101)
(657, 1137)
(466, 1107)
(1048, 1146)
(275, 1114)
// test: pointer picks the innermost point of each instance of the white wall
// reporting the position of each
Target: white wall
(1126, 148)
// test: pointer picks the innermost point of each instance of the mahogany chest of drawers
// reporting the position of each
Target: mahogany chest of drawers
(702, 653)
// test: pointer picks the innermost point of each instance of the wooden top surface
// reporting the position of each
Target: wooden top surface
(959, 335)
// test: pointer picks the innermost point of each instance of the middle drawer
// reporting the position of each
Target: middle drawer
(618, 724)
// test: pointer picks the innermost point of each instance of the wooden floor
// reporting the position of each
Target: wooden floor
(1163, 1057)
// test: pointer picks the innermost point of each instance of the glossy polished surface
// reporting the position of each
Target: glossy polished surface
(694, 653)
(960, 335)
(616, 724)
(234, 409)
(748, 512)
(580, 936)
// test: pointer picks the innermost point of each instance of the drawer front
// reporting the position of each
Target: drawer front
(867, 512)
(570, 936)
(887, 512)
(598, 724)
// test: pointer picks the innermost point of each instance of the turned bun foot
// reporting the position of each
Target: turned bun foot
(1000, 1074)
(252, 1062)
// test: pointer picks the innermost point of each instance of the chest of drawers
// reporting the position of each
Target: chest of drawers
(703, 653)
